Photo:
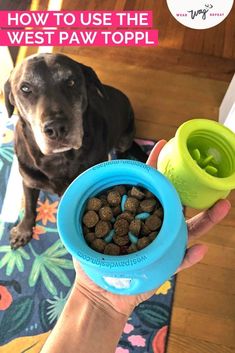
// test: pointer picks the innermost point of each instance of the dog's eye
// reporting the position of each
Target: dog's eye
(25, 89)
(70, 83)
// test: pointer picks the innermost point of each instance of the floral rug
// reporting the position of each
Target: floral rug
(35, 281)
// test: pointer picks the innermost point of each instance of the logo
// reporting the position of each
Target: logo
(200, 14)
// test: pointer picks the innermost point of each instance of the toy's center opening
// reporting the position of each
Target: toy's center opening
(212, 153)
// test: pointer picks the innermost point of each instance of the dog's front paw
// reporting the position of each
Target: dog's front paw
(20, 236)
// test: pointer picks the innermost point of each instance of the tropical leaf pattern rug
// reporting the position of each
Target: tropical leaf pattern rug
(35, 281)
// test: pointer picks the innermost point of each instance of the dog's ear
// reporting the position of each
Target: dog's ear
(9, 101)
(92, 81)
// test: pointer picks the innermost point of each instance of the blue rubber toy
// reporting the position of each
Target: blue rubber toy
(134, 273)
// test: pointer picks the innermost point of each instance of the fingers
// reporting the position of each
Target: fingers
(193, 255)
(152, 159)
(204, 221)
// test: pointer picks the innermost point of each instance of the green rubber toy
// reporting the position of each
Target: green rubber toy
(200, 162)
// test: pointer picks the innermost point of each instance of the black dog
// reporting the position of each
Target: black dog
(68, 122)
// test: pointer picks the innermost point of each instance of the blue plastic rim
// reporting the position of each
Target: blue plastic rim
(133, 273)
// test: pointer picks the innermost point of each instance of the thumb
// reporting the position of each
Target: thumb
(193, 255)
(204, 221)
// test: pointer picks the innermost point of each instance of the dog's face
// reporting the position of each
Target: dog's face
(50, 92)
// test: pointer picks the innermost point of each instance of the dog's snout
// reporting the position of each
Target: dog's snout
(55, 129)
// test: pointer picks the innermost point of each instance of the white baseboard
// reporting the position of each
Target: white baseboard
(227, 108)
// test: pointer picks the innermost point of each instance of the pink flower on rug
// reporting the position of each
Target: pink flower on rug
(137, 341)
(128, 328)
(122, 350)
(159, 340)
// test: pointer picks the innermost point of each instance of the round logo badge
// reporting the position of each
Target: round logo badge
(200, 14)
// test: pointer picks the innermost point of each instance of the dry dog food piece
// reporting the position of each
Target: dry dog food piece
(126, 215)
(123, 249)
(89, 237)
(132, 248)
(143, 242)
(121, 240)
(121, 227)
(102, 228)
(94, 204)
(158, 212)
(121, 189)
(103, 199)
(114, 198)
(153, 222)
(152, 236)
(137, 193)
(105, 213)
(149, 195)
(90, 219)
(148, 205)
(131, 204)
(98, 245)
(116, 211)
(135, 227)
(144, 229)
(112, 249)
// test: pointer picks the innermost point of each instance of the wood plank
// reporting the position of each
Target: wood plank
(214, 47)
(220, 235)
(211, 328)
(168, 59)
(183, 344)
(154, 131)
(205, 300)
(209, 277)
(220, 255)
(157, 102)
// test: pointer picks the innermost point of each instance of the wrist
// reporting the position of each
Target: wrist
(112, 305)
(87, 324)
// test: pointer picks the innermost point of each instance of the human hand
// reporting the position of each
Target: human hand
(197, 226)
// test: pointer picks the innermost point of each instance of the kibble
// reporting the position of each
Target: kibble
(121, 240)
(104, 201)
(112, 249)
(90, 219)
(126, 215)
(124, 249)
(158, 212)
(121, 189)
(153, 222)
(98, 245)
(152, 236)
(137, 193)
(143, 242)
(148, 194)
(144, 229)
(90, 237)
(114, 198)
(94, 204)
(131, 204)
(102, 228)
(135, 226)
(116, 211)
(106, 213)
(121, 227)
(148, 205)
(122, 220)
(132, 248)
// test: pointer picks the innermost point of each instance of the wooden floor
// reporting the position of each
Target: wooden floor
(186, 76)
